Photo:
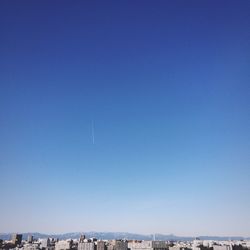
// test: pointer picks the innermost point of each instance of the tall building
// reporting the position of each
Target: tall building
(16, 239)
(82, 238)
(101, 245)
(45, 243)
(30, 239)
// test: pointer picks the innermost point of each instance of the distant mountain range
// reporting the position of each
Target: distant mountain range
(118, 235)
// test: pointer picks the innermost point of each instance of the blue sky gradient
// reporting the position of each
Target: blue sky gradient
(166, 84)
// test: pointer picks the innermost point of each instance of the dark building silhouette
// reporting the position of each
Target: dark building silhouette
(121, 245)
(17, 239)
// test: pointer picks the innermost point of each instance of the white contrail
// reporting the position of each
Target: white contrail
(93, 132)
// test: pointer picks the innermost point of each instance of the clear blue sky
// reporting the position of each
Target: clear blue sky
(166, 84)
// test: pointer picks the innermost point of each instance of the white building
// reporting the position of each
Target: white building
(86, 246)
(224, 247)
(63, 245)
(148, 245)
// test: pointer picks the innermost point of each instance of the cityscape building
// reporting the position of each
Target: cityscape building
(16, 239)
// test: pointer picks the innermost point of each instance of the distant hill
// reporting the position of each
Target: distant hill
(119, 235)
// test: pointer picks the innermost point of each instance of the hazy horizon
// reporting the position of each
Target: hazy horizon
(121, 232)
(125, 116)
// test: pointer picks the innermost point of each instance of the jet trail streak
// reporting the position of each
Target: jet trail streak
(93, 132)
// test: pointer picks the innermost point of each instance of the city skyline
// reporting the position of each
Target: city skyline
(125, 116)
(83, 242)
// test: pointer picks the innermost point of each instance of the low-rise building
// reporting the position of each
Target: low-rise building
(148, 245)
(224, 247)
(86, 246)
(121, 245)
(64, 245)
